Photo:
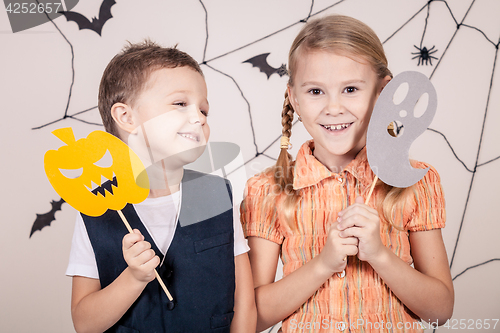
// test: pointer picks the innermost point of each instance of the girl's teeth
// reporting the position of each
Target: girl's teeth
(336, 127)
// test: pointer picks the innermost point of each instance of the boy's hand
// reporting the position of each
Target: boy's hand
(362, 221)
(336, 249)
(140, 258)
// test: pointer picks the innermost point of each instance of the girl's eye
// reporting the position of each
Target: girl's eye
(315, 91)
(350, 90)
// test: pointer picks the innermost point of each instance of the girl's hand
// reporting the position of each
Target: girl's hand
(362, 221)
(140, 258)
(336, 249)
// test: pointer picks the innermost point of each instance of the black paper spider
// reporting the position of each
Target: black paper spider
(424, 55)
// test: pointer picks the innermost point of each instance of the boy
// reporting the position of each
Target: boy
(155, 99)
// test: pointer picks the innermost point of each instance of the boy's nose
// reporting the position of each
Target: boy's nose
(194, 115)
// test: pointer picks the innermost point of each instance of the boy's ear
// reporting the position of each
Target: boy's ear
(123, 116)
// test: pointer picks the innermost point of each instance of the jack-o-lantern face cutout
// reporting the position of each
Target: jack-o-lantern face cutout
(93, 187)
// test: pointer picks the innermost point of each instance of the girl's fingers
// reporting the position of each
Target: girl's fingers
(352, 232)
(348, 240)
(357, 208)
(351, 250)
(355, 220)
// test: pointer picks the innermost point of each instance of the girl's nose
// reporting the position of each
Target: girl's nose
(334, 106)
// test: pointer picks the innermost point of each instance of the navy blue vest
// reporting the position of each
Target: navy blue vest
(198, 269)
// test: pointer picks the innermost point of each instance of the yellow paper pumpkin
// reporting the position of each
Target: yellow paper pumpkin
(85, 192)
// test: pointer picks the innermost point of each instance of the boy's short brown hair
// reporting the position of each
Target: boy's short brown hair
(127, 73)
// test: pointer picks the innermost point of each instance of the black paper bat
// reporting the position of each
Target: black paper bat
(97, 23)
(260, 61)
(44, 220)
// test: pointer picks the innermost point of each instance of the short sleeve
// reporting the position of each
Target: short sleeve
(429, 212)
(82, 259)
(240, 243)
(259, 217)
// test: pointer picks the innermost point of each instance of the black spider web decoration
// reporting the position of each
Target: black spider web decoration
(66, 115)
(460, 26)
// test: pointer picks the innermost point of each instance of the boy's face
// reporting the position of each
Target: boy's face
(171, 115)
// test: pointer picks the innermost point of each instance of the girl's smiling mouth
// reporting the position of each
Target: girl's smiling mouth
(336, 127)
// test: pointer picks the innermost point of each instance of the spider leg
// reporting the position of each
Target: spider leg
(417, 47)
(432, 48)
(417, 56)
(432, 51)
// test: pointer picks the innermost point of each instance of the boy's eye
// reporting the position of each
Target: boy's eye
(183, 104)
(205, 113)
(315, 91)
(350, 89)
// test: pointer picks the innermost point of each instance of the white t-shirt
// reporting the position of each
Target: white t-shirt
(159, 216)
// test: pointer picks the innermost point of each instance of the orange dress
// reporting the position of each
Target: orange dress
(360, 301)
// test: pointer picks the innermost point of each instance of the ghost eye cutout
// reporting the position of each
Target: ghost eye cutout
(106, 161)
(421, 106)
(71, 173)
(400, 93)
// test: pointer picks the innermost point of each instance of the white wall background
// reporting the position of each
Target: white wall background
(37, 88)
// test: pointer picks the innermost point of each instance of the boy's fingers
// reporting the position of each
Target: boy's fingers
(130, 240)
(145, 256)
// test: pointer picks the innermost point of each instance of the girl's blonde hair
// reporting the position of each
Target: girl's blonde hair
(346, 36)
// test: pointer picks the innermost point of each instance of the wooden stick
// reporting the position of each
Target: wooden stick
(342, 274)
(124, 219)
(371, 190)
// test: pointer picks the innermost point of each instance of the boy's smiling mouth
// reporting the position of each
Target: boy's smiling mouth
(336, 127)
(190, 136)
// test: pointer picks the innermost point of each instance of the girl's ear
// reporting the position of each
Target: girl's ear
(293, 100)
(124, 118)
(384, 82)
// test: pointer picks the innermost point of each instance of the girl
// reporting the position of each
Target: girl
(312, 212)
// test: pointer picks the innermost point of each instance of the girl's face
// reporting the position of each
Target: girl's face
(335, 95)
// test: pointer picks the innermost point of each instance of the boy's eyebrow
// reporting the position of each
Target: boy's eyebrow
(178, 92)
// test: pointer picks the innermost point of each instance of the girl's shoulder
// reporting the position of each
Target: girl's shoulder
(432, 176)
(262, 179)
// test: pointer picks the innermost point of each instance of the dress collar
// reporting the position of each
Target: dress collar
(309, 171)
